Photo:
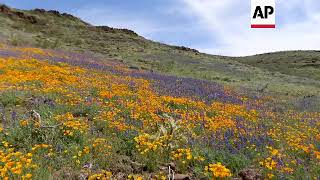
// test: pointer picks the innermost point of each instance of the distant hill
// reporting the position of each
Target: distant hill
(286, 73)
(297, 63)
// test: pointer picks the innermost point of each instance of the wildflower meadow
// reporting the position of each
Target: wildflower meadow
(71, 116)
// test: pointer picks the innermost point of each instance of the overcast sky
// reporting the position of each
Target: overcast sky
(212, 26)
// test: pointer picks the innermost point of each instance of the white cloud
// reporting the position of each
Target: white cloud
(229, 23)
(226, 23)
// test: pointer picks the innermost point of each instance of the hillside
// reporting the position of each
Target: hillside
(104, 103)
(55, 30)
(74, 116)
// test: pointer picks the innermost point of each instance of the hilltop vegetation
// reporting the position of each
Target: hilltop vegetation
(54, 30)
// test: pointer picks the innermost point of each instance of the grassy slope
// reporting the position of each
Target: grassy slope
(298, 63)
(56, 31)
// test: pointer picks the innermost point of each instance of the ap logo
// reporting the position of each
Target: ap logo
(263, 14)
